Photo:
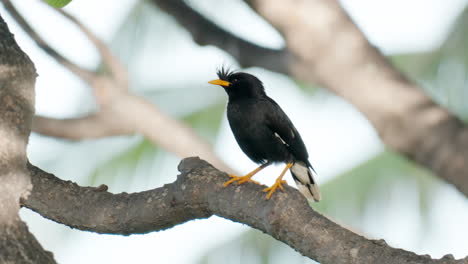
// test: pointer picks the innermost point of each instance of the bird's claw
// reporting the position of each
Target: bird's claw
(272, 189)
(240, 180)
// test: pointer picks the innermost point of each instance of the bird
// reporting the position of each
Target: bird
(265, 133)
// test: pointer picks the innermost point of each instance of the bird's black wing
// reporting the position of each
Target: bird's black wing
(284, 130)
(302, 171)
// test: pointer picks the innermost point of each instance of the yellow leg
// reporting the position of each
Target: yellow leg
(246, 178)
(278, 183)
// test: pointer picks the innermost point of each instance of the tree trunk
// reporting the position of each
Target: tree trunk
(17, 79)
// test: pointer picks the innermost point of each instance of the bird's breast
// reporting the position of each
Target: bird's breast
(245, 121)
(255, 138)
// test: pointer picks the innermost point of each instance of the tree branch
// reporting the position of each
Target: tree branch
(120, 112)
(102, 124)
(117, 69)
(205, 32)
(198, 193)
(17, 79)
(81, 72)
(328, 48)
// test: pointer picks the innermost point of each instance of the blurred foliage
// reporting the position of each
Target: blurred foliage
(125, 165)
(347, 197)
(443, 72)
(58, 3)
(253, 247)
(141, 156)
(136, 44)
(207, 121)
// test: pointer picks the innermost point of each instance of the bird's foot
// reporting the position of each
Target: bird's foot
(278, 184)
(240, 179)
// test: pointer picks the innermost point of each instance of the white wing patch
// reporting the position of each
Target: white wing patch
(282, 140)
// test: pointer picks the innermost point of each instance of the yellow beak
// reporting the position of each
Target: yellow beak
(220, 82)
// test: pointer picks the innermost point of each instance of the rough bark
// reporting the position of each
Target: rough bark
(324, 46)
(19, 246)
(198, 193)
(17, 78)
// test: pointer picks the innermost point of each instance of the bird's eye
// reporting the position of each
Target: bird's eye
(235, 80)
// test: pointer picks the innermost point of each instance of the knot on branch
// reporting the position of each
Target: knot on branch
(191, 163)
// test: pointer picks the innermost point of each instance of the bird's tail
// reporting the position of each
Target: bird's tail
(303, 175)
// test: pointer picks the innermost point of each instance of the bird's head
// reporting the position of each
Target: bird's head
(239, 85)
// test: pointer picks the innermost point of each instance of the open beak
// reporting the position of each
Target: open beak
(220, 82)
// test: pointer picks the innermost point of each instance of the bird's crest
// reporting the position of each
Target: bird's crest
(224, 72)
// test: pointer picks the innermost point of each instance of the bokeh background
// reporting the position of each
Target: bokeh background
(365, 186)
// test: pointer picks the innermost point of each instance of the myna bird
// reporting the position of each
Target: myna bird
(265, 133)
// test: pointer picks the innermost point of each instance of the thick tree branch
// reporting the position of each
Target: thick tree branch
(198, 193)
(17, 79)
(330, 50)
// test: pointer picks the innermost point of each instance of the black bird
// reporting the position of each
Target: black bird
(265, 133)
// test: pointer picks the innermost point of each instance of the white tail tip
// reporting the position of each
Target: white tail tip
(305, 181)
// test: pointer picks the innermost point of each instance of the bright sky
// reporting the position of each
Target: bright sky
(393, 25)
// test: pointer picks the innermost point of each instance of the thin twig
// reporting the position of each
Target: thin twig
(81, 72)
(117, 70)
